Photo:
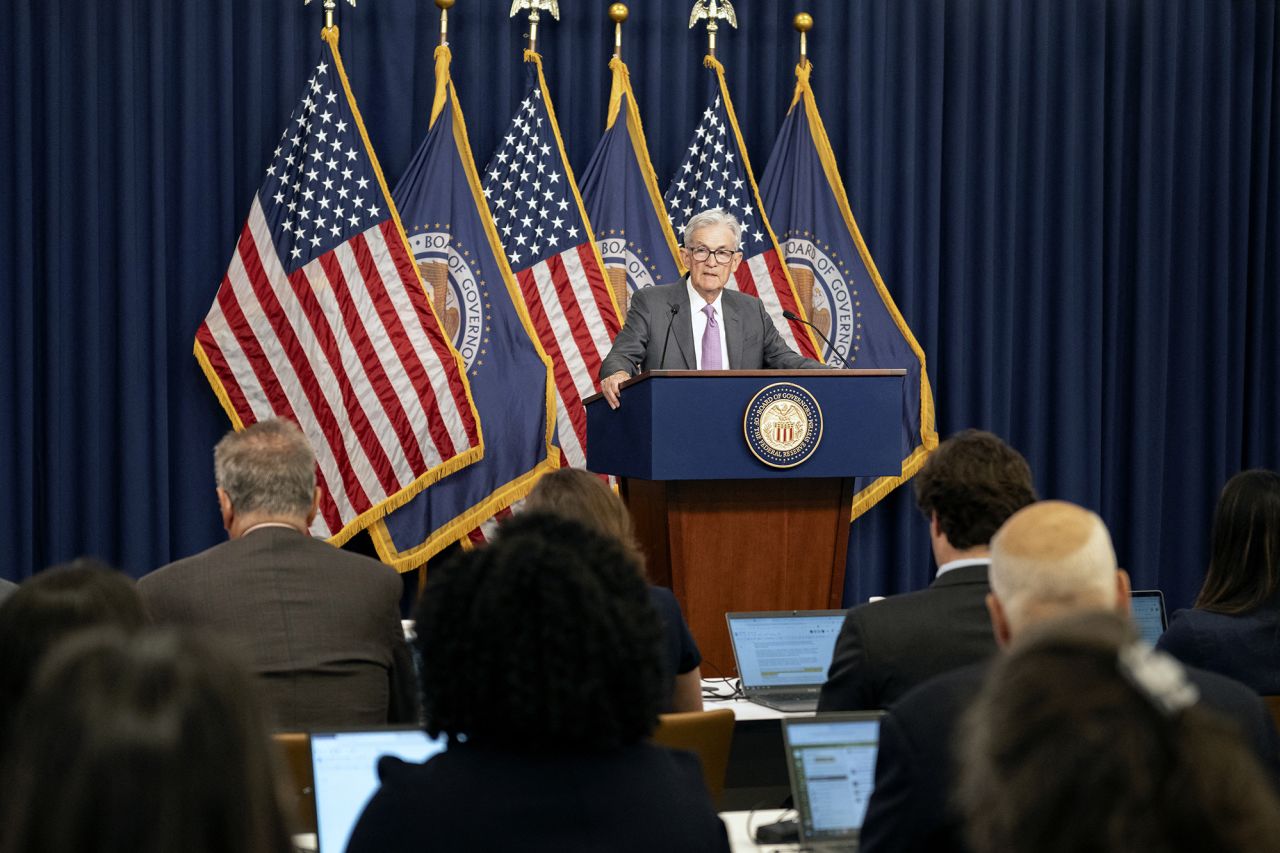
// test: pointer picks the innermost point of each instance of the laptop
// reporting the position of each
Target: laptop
(783, 656)
(1147, 607)
(345, 767)
(832, 762)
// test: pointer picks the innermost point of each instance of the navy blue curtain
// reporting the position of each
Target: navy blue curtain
(1075, 203)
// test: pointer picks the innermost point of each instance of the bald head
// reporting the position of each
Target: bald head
(1052, 558)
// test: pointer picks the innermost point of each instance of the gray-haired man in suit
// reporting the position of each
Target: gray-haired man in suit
(320, 626)
(667, 325)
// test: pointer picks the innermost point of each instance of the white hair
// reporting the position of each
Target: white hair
(1051, 557)
(710, 217)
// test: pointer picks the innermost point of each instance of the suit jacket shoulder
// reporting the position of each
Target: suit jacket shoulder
(320, 626)
(887, 647)
(1243, 646)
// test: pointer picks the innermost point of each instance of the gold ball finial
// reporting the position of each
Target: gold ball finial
(445, 5)
(803, 22)
(618, 12)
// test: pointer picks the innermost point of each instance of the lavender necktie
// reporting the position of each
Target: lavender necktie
(711, 342)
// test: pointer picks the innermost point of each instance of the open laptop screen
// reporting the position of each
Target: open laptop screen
(784, 648)
(832, 761)
(1149, 614)
(345, 766)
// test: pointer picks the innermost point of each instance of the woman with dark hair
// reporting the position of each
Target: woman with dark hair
(1234, 628)
(1083, 739)
(584, 497)
(50, 606)
(540, 660)
(141, 744)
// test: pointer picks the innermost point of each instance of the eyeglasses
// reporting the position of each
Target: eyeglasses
(722, 256)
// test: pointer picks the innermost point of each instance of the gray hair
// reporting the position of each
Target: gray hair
(710, 217)
(267, 467)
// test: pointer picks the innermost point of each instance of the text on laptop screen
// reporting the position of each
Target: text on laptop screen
(345, 765)
(1148, 616)
(833, 772)
(784, 650)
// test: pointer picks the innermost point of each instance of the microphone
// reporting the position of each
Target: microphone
(798, 319)
(662, 362)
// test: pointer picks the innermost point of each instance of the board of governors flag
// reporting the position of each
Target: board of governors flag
(457, 249)
(624, 205)
(321, 319)
(839, 284)
(544, 230)
(716, 173)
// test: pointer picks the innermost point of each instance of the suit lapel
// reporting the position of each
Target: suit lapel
(683, 329)
(732, 329)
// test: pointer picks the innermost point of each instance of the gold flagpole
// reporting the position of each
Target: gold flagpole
(803, 22)
(535, 8)
(617, 13)
(329, 7)
(444, 6)
(711, 11)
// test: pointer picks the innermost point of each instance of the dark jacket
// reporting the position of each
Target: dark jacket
(885, 648)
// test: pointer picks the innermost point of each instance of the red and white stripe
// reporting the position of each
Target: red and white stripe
(761, 275)
(348, 348)
(569, 304)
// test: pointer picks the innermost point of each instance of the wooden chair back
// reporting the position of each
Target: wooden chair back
(709, 734)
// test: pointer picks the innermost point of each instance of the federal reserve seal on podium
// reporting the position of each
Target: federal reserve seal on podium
(783, 425)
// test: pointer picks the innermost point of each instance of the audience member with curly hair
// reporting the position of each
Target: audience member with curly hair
(147, 743)
(51, 606)
(584, 497)
(540, 659)
(1234, 627)
(1082, 739)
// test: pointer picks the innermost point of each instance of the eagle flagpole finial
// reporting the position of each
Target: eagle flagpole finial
(535, 9)
(711, 11)
(329, 6)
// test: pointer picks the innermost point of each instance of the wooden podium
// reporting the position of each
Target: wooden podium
(725, 531)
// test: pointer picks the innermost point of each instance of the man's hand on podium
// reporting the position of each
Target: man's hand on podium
(609, 387)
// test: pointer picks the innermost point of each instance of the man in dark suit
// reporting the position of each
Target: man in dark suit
(966, 489)
(698, 324)
(1051, 559)
(321, 627)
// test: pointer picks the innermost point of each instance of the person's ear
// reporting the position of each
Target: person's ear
(999, 621)
(1124, 598)
(227, 509)
(315, 507)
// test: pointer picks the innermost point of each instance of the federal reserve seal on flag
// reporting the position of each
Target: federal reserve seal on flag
(449, 272)
(783, 425)
(826, 291)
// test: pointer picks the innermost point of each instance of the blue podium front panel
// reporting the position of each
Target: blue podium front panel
(691, 425)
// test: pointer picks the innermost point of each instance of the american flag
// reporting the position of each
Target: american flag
(545, 234)
(716, 173)
(321, 319)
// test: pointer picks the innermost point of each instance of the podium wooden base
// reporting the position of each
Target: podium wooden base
(734, 545)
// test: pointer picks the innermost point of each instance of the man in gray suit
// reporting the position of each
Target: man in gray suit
(698, 324)
(320, 626)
